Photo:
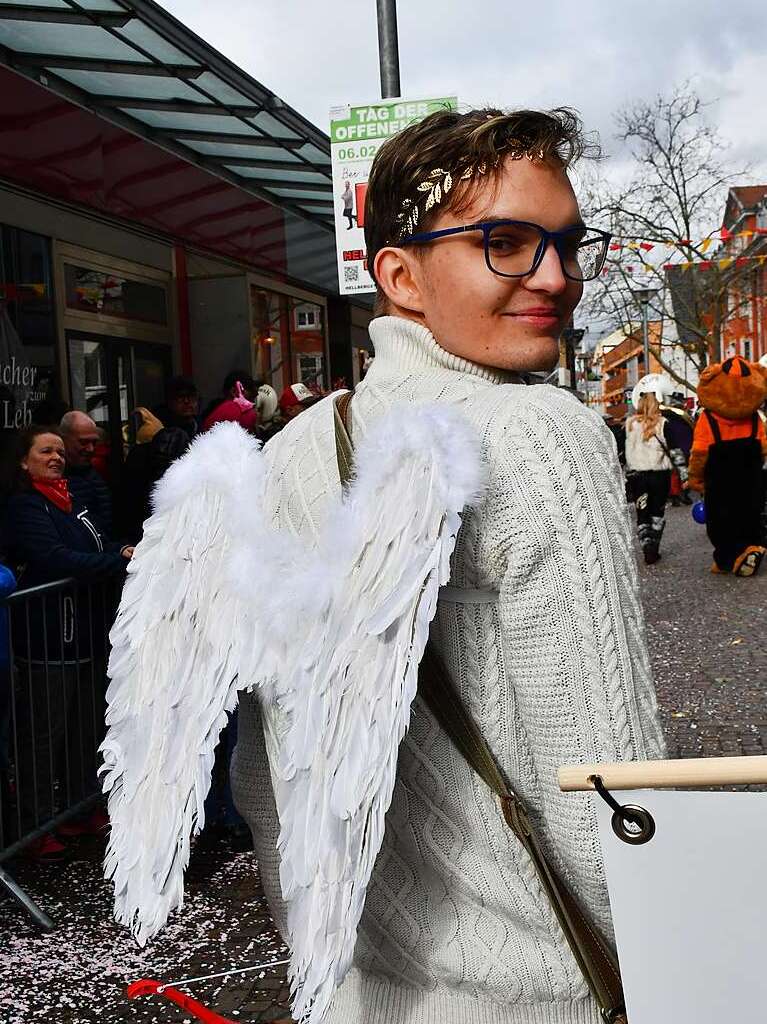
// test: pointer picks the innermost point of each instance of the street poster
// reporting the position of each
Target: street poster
(356, 135)
(689, 906)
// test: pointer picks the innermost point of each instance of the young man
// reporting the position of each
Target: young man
(263, 569)
(479, 252)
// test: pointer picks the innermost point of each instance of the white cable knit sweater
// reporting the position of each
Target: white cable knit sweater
(542, 630)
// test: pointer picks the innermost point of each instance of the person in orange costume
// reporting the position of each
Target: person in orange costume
(728, 451)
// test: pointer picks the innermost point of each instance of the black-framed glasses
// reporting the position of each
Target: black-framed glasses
(515, 248)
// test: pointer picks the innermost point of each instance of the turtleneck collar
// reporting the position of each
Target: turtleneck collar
(411, 346)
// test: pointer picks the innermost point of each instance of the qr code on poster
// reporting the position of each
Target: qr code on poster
(351, 275)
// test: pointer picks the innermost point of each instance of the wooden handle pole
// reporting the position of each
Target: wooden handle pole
(685, 773)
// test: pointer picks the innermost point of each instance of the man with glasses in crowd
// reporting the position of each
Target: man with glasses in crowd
(480, 254)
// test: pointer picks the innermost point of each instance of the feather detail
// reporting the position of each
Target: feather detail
(390, 543)
(174, 674)
(188, 637)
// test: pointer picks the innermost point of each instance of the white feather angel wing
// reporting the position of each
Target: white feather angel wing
(383, 555)
(189, 635)
(178, 644)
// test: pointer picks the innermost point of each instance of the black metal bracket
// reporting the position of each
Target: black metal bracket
(631, 824)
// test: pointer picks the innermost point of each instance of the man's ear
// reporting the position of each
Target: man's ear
(400, 275)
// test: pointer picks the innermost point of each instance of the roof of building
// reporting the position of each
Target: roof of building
(741, 198)
(135, 65)
(749, 195)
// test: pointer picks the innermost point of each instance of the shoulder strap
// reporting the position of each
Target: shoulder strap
(344, 446)
(594, 958)
(662, 442)
(712, 422)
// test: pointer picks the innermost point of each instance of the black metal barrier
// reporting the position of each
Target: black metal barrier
(54, 648)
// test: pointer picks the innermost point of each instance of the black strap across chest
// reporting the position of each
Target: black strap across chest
(713, 422)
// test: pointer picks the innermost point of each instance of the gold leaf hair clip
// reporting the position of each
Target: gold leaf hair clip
(439, 182)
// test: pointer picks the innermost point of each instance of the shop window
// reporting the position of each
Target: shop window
(28, 375)
(270, 334)
(747, 349)
(97, 291)
(288, 339)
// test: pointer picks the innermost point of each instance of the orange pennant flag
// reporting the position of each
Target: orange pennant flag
(705, 244)
(724, 264)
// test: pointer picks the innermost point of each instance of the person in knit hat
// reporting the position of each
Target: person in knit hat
(237, 409)
(294, 399)
(479, 253)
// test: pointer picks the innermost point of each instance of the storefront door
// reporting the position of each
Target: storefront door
(110, 377)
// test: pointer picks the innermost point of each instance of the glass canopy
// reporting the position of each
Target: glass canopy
(135, 65)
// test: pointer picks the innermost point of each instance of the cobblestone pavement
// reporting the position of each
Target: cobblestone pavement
(707, 640)
(707, 636)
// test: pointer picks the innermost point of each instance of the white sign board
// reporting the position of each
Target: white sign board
(690, 907)
(356, 135)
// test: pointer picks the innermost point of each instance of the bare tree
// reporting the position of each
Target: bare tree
(678, 179)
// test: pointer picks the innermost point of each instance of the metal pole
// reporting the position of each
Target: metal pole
(388, 48)
(645, 338)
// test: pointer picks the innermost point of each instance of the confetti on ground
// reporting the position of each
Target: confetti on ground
(78, 973)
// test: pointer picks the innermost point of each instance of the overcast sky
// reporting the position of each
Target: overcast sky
(594, 55)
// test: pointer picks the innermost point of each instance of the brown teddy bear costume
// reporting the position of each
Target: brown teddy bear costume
(728, 449)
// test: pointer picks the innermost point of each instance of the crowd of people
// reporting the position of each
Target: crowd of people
(68, 515)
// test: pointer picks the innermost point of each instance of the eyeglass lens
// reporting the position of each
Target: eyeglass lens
(513, 248)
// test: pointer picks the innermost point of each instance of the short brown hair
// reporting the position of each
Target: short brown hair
(456, 142)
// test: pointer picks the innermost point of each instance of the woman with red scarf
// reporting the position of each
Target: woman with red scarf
(48, 535)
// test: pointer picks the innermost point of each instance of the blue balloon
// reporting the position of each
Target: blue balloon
(699, 512)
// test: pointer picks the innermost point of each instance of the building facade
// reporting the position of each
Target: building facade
(619, 361)
(161, 212)
(744, 242)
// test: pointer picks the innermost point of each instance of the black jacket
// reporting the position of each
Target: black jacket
(91, 490)
(48, 544)
(45, 544)
(144, 466)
